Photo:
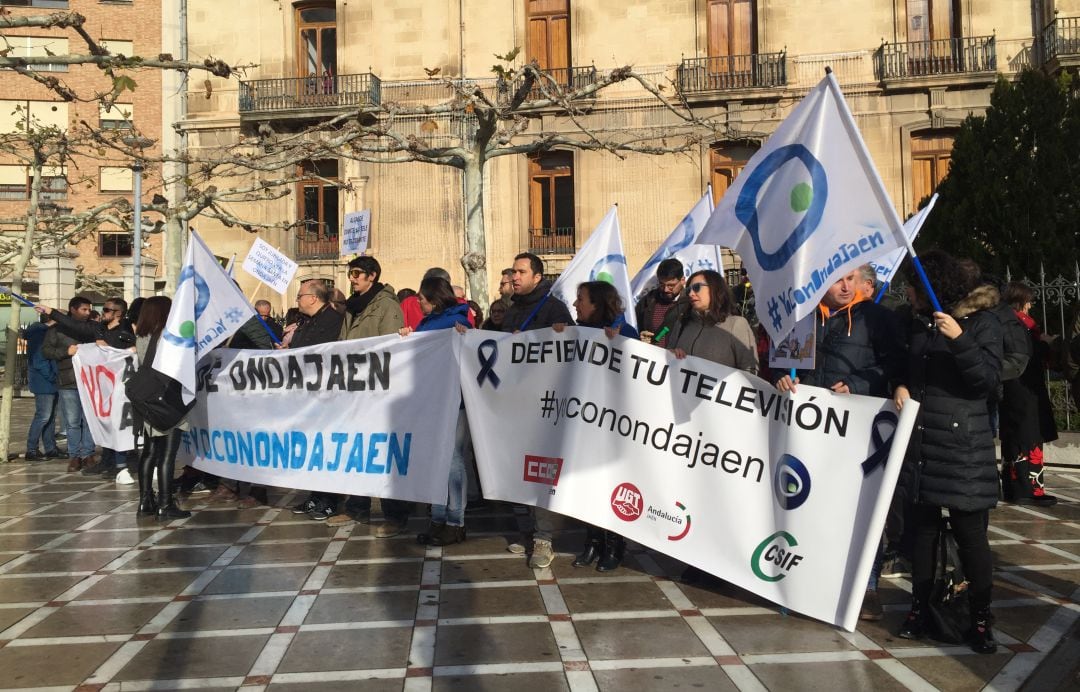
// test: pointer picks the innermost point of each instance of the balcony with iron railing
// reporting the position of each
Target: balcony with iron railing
(317, 241)
(552, 82)
(552, 241)
(1061, 41)
(733, 72)
(935, 58)
(292, 94)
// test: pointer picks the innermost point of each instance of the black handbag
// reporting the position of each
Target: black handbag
(156, 398)
(949, 613)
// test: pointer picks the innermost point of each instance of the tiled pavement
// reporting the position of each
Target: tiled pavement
(93, 599)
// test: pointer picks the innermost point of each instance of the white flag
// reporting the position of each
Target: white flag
(207, 308)
(680, 245)
(886, 266)
(601, 258)
(808, 208)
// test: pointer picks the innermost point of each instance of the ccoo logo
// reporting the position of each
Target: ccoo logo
(791, 482)
(626, 502)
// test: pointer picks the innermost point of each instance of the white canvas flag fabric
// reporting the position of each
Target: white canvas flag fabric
(373, 417)
(601, 258)
(680, 245)
(100, 373)
(784, 495)
(206, 309)
(886, 266)
(808, 208)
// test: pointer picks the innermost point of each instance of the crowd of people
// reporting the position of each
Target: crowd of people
(975, 366)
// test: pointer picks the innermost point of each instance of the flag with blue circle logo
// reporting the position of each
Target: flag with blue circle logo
(680, 245)
(601, 258)
(206, 309)
(808, 209)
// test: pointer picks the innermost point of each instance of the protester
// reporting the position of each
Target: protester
(443, 310)
(860, 350)
(293, 320)
(256, 332)
(476, 313)
(506, 286)
(599, 306)
(712, 328)
(404, 294)
(496, 315)
(60, 347)
(660, 306)
(1027, 417)
(372, 310)
(41, 375)
(534, 307)
(954, 363)
(163, 445)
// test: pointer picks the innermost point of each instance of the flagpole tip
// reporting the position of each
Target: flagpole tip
(828, 70)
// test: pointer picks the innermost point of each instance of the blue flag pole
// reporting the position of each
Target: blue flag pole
(273, 336)
(19, 298)
(925, 281)
(881, 293)
(535, 310)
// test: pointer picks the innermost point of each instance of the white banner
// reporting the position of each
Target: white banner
(808, 208)
(100, 373)
(269, 265)
(371, 417)
(886, 266)
(783, 495)
(355, 232)
(206, 309)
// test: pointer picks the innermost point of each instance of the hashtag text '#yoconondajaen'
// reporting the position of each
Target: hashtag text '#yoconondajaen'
(661, 438)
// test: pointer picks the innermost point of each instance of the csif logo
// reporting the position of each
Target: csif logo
(774, 558)
(543, 470)
(626, 502)
(791, 482)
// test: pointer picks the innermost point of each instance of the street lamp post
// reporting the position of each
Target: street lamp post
(137, 168)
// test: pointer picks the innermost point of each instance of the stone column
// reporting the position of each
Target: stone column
(56, 276)
(147, 277)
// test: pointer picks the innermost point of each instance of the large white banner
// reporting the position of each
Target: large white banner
(100, 373)
(808, 208)
(783, 495)
(371, 417)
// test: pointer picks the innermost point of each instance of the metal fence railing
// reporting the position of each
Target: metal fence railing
(552, 241)
(936, 57)
(286, 93)
(722, 73)
(1061, 37)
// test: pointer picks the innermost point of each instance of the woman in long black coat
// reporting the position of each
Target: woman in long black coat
(1027, 418)
(954, 365)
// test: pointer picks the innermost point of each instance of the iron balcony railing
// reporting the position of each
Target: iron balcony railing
(1061, 37)
(290, 93)
(936, 57)
(552, 241)
(564, 78)
(316, 240)
(755, 71)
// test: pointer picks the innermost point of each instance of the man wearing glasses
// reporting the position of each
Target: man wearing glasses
(660, 306)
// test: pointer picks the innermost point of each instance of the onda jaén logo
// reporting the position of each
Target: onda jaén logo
(791, 482)
(626, 502)
(774, 558)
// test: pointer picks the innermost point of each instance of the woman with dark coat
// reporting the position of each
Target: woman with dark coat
(1027, 417)
(954, 365)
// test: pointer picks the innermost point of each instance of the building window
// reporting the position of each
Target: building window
(15, 183)
(929, 20)
(114, 245)
(551, 203)
(318, 209)
(731, 36)
(316, 26)
(35, 47)
(726, 161)
(50, 4)
(548, 37)
(118, 117)
(931, 154)
(116, 179)
(21, 116)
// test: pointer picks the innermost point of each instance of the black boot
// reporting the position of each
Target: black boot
(982, 636)
(167, 508)
(147, 503)
(914, 626)
(614, 547)
(594, 538)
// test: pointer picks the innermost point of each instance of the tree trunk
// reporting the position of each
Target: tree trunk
(475, 258)
(7, 389)
(174, 252)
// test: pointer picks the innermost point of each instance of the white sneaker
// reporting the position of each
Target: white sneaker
(124, 478)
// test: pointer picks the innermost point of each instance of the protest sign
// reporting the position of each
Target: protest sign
(100, 372)
(206, 309)
(355, 232)
(808, 208)
(798, 349)
(371, 417)
(784, 495)
(269, 265)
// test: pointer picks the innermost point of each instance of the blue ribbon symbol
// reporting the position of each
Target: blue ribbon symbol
(881, 445)
(488, 354)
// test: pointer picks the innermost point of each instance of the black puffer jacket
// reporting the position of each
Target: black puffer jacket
(553, 311)
(861, 346)
(951, 460)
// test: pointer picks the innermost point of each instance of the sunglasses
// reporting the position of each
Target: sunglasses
(695, 288)
(356, 273)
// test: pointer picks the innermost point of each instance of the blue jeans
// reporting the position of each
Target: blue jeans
(80, 441)
(43, 427)
(114, 458)
(453, 512)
